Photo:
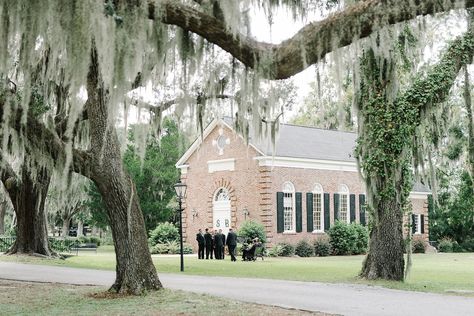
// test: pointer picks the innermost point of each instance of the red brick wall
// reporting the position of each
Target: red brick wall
(304, 181)
(242, 183)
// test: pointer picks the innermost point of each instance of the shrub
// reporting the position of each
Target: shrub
(419, 245)
(89, 240)
(159, 249)
(468, 245)
(163, 233)
(251, 229)
(304, 249)
(282, 250)
(170, 248)
(275, 251)
(457, 247)
(62, 244)
(322, 246)
(361, 242)
(445, 245)
(347, 239)
(342, 238)
(287, 250)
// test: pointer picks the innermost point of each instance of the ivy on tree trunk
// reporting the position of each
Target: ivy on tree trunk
(386, 131)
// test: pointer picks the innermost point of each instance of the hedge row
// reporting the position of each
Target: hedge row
(342, 239)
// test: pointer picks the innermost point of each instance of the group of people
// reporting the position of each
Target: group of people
(214, 244)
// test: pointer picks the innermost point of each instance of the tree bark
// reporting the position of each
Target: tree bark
(386, 245)
(3, 212)
(80, 229)
(135, 270)
(65, 230)
(470, 123)
(28, 199)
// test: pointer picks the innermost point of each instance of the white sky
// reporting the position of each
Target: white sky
(283, 28)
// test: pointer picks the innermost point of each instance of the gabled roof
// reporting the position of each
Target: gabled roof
(310, 143)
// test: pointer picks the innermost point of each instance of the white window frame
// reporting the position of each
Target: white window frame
(344, 191)
(417, 224)
(318, 191)
(289, 189)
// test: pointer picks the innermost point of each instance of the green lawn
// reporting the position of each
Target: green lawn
(430, 272)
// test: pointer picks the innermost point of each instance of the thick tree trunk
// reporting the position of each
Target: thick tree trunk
(3, 212)
(135, 270)
(385, 257)
(80, 229)
(65, 230)
(470, 122)
(28, 198)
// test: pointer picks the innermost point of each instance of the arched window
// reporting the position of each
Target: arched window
(344, 203)
(318, 212)
(221, 195)
(288, 207)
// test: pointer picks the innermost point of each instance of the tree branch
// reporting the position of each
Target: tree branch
(167, 104)
(311, 43)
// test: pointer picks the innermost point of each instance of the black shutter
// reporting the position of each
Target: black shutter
(327, 218)
(352, 207)
(422, 223)
(413, 226)
(309, 212)
(362, 209)
(336, 207)
(279, 212)
(299, 212)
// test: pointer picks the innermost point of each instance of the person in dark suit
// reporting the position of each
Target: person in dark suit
(218, 243)
(215, 242)
(223, 244)
(209, 243)
(201, 244)
(231, 243)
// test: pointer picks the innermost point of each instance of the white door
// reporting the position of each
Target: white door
(221, 211)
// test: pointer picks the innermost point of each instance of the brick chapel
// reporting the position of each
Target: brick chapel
(297, 189)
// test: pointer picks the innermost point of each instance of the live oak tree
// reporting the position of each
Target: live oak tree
(106, 49)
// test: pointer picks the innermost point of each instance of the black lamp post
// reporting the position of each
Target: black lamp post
(180, 189)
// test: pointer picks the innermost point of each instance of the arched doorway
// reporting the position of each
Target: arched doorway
(221, 210)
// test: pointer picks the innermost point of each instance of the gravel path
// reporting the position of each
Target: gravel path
(344, 299)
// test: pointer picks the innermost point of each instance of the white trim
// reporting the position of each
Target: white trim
(195, 145)
(305, 163)
(221, 165)
(321, 194)
(419, 195)
(184, 168)
(292, 191)
(418, 224)
(344, 191)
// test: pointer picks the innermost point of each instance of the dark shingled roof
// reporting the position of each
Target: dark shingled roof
(309, 142)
